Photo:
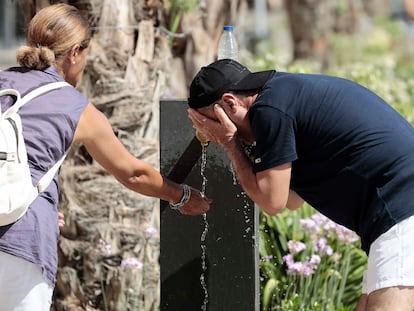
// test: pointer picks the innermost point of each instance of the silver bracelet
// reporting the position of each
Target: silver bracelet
(184, 200)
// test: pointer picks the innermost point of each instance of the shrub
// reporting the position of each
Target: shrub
(308, 262)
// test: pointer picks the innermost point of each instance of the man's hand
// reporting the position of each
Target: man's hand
(220, 130)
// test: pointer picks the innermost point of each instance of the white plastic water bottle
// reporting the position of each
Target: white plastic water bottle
(227, 47)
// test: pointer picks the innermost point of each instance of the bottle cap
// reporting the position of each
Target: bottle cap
(228, 27)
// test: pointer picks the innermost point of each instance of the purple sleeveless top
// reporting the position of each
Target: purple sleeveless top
(49, 123)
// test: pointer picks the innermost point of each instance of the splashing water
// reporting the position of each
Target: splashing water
(246, 206)
(204, 234)
(233, 174)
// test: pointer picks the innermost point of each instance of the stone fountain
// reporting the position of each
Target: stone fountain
(231, 244)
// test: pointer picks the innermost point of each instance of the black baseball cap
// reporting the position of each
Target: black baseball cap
(222, 76)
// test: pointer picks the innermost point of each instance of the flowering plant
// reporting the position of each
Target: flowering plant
(309, 262)
(133, 267)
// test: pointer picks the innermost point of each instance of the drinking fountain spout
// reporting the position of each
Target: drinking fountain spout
(201, 138)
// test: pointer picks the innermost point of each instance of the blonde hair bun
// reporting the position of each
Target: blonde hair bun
(35, 57)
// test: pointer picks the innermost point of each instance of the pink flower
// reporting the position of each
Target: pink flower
(132, 263)
(322, 247)
(319, 224)
(150, 231)
(315, 260)
(295, 247)
(305, 268)
(104, 247)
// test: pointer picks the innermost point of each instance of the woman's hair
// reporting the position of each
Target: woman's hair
(51, 34)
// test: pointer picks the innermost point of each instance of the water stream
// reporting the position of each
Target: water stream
(205, 231)
(245, 210)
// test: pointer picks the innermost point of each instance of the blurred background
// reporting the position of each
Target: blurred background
(143, 51)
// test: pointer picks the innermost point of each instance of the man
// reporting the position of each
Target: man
(325, 140)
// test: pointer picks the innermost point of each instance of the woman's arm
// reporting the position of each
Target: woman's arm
(95, 133)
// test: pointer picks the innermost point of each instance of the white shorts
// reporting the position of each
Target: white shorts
(391, 258)
(22, 287)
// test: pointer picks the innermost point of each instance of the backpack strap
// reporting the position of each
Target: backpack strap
(36, 92)
(48, 177)
(11, 92)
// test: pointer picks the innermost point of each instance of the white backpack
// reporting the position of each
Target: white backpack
(16, 188)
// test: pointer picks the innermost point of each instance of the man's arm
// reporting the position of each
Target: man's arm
(270, 188)
(294, 201)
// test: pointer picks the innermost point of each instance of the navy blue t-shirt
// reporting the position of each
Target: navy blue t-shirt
(352, 154)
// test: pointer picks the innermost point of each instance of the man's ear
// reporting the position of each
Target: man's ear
(229, 102)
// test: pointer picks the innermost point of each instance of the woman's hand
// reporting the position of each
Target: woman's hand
(197, 205)
(61, 219)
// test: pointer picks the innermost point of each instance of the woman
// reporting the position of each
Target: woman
(57, 46)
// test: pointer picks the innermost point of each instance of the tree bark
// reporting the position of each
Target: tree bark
(310, 23)
(106, 223)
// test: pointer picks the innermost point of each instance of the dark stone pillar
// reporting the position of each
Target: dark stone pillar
(232, 275)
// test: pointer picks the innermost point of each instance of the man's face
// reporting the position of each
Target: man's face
(208, 111)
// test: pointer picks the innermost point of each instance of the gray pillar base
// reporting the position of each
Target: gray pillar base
(232, 274)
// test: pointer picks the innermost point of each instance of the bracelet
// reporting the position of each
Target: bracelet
(184, 200)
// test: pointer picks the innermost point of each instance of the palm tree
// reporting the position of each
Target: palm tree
(108, 250)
